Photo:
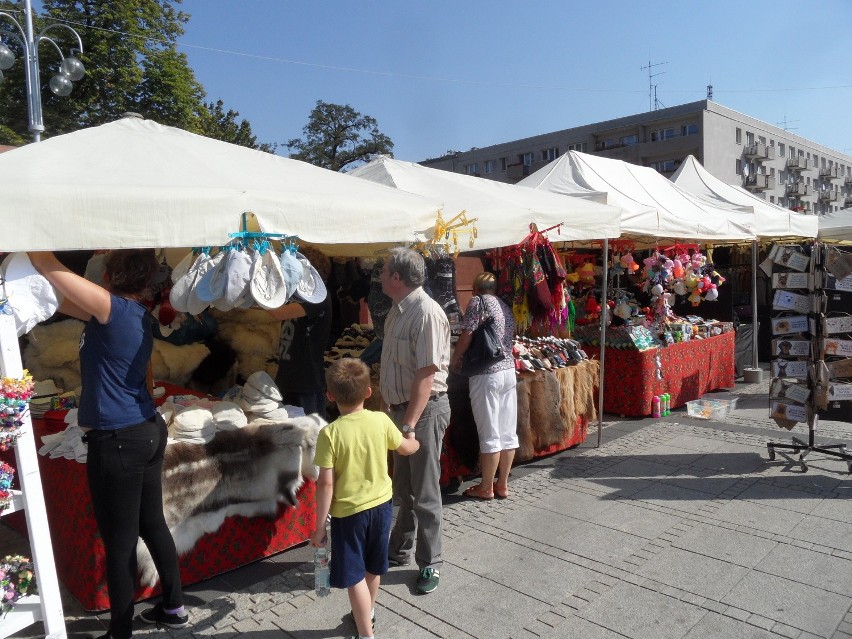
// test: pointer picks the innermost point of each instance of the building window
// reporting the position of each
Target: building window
(739, 168)
(548, 155)
(471, 169)
(629, 140)
(739, 136)
(503, 164)
(488, 167)
(666, 166)
(772, 199)
(771, 142)
(526, 158)
(781, 149)
(771, 171)
(761, 139)
(689, 129)
(749, 138)
(580, 146)
(662, 134)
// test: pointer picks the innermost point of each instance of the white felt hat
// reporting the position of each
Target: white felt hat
(211, 285)
(263, 384)
(237, 280)
(28, 293)
(267, 282)
(182, 267)
(182, 287)
(310, 288)
(228, 416)
(194, 304)
(293, 271)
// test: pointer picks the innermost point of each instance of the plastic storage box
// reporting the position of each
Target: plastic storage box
(713, 409)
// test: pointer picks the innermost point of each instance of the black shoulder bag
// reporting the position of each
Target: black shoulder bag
(485, 348)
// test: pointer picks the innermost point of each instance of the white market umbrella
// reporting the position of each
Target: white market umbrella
(654, 209)
(134, 183)
(836, 227)
(503, 211)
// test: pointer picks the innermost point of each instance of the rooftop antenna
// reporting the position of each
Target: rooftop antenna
(785, 124)
(652, 95)
(709, 91)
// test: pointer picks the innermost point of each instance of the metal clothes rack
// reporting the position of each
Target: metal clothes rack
(817, 270)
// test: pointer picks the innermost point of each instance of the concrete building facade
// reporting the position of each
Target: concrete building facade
(775, 164)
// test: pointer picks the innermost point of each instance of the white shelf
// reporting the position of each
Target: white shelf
(16, 505)
(25, 613)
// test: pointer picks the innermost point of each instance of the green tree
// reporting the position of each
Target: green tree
(132, 64)
(223, 125)
(337, 136)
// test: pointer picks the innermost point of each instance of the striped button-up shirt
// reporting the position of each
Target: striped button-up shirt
(417, 335)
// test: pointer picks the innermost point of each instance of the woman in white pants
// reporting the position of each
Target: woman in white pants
(493, 396)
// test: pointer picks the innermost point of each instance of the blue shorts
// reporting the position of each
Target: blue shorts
(359, 544)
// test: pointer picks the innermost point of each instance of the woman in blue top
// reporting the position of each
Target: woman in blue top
(125, 434)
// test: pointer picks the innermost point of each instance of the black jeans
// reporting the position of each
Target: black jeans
(125, 469)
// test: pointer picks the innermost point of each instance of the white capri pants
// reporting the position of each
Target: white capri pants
(494, 401)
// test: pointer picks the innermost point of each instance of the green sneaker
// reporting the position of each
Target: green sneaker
(427, 581)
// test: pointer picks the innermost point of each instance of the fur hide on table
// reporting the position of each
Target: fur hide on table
(247, 472)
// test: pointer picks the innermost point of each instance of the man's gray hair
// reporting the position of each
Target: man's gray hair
(409, 264)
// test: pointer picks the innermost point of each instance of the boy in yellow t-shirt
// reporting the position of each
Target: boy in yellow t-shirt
(354, 486)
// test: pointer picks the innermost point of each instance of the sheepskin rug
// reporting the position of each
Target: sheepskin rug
(52, 352)
(253, 334)
(247, 471)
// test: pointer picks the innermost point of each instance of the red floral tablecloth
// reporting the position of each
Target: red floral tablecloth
(690, 369)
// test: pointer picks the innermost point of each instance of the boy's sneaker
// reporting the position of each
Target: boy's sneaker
(428, 580)
(372, 619)
(157, 615)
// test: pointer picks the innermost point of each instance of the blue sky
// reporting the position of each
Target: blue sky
(441, 75)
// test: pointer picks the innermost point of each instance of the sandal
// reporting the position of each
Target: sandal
(477, 492)
(501, 492)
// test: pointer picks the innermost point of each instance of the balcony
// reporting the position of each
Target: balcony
(826, 195)
(798, 163)
(517, 171)
(830, 173)
(847, 202)
(759, 182)
(759, 152)
(849, 180)
(798, 189)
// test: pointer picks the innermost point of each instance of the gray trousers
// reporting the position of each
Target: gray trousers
(417, 490)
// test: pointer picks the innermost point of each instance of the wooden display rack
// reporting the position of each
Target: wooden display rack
(46, 606)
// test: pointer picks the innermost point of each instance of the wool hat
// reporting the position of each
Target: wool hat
(310, 288)
(292, 269)
(194, 304)
(263, 383)
(238, 279)
(28, 293)
(183, 284)
(267, 282)
(211, 285)
(228, 416)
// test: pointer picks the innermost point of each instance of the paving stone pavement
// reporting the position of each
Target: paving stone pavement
(672, 528)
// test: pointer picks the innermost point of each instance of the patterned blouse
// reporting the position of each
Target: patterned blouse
(504, 322)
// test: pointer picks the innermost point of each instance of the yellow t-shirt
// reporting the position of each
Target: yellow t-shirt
(356, 446)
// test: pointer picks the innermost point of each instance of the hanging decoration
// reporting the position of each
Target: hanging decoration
(15, 395)
(450, 230)
(7, 475)
(532, 282)
(16, 581)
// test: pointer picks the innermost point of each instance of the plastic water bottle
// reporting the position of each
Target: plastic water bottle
(321, 572)
(668, 401)
(655, 406)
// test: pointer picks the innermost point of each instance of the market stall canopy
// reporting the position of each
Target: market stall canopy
(503, 211)
(654, 208)
(134, 183)
(836, 227)
(769, 220)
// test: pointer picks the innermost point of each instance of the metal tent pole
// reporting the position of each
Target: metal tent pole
(754, 362)
(604, 311)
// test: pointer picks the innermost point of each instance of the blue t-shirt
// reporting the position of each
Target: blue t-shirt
(114, 365)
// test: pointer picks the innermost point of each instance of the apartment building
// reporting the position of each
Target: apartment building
(773, 163)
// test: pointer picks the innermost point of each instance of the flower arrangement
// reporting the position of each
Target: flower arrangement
(16, 581)
(15, 395)
(7, 474)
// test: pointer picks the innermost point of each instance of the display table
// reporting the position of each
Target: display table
(689, 369)
(79, 551)
(554, 411)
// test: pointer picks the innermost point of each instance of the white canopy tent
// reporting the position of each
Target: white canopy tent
(654, 208)
(134, 183)
(504, 212)
(836, 228)
(770, 221)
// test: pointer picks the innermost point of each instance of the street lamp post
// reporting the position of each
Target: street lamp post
(70, 68)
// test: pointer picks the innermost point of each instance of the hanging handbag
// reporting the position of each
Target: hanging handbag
(486, 348)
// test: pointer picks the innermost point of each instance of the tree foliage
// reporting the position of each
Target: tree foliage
(337, 136)
(132, 64)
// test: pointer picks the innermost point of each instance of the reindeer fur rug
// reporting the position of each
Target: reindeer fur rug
(247, 471)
